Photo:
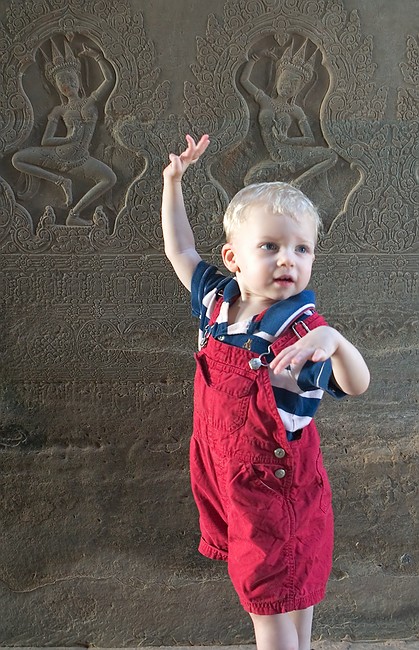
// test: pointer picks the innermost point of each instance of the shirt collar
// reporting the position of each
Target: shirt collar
(279, 315)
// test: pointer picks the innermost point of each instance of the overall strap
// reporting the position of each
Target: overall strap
(296, 331)
(209, 326)
(217, 308)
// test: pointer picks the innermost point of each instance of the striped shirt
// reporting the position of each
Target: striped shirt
(297, 390)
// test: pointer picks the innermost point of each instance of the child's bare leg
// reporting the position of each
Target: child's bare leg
(303, 620)
(276, 632)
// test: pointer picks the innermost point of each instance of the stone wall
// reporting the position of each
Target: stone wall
(98, 527)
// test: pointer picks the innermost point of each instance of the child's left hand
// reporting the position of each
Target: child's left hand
(318, 345)
(350, 372)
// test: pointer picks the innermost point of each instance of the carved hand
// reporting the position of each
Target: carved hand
(89, 51)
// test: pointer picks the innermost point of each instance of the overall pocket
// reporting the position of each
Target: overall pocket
(326, 490)
(221, 394)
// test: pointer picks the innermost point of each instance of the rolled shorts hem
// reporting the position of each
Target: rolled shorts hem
(287, 604)
(211, 552)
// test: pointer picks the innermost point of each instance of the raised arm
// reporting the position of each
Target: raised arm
(245, 77)
(349, 368)
(105, 67)
(179, 241)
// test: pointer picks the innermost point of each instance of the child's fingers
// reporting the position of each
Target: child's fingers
(308, 354)
(191, 148)
(278, 359)
(295, 356)
(203, 143)
(190, 140)
(195, 150)
(174, 167)
(176, 161)
(282, 361)
(319, 355)
(189, 155)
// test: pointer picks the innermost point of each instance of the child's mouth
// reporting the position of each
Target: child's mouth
(284, 280)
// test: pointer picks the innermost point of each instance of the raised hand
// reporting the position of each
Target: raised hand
(179, 164)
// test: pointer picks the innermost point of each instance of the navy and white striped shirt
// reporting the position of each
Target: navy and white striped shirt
(297, 390)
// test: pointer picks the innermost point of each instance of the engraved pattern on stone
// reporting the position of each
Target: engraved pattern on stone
(350, 106)
(59, 154)
(126, 138)
(97, 339)
(408, 99)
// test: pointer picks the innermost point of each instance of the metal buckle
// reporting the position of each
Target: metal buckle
(256, 362)
(304, 326)
(205, 336)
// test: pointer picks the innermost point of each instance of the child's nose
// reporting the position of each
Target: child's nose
(285, 257)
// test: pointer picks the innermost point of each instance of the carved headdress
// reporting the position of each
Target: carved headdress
(60, 61)
(297, 62)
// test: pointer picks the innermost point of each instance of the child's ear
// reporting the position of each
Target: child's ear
(229, 258)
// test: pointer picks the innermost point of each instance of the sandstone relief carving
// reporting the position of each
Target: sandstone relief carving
(104, 316)
(79, 119)
(284, 125)
(60, 155)
(383, 207)
(408, 98)
(408, 102)
(280, 83)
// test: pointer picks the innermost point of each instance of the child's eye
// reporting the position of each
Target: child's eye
(269, 246)
(302, 249)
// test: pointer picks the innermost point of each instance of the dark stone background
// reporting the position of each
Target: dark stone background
(98, 528)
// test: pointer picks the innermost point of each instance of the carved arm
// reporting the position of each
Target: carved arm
(49, 138)
(105, 68)
(245, 77)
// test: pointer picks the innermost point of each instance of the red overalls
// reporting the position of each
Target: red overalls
(264, 502)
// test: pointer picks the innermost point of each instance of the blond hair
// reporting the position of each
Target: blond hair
(282, 198)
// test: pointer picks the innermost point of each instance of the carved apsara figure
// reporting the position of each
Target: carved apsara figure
(60, 154)
(295, 154)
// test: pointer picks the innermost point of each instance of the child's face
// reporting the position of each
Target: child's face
(271, 254)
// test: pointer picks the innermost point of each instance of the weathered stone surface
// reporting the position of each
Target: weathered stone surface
(98, 527)
(317, 645)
